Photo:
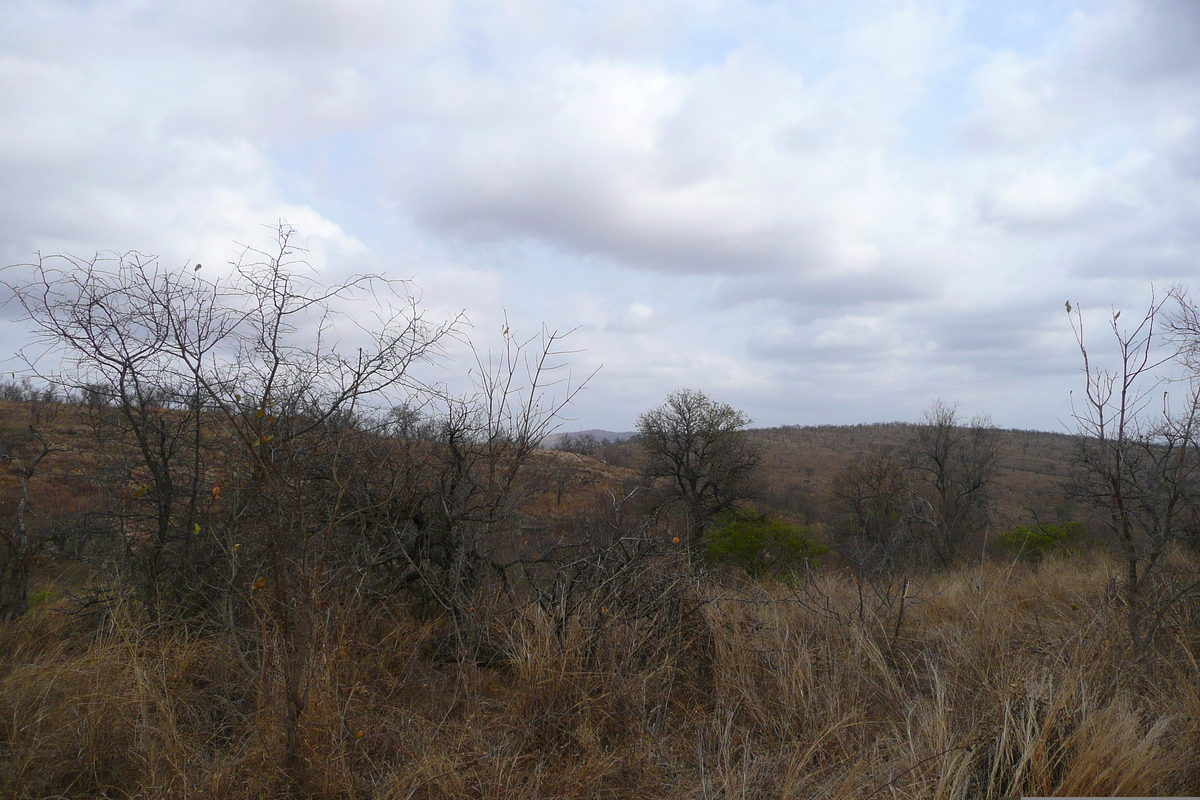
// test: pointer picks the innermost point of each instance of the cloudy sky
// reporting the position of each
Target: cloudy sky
(818, 212)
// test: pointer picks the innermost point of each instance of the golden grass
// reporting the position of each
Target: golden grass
(1002, 680)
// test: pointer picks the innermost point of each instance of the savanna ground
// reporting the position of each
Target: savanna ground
(998, 679)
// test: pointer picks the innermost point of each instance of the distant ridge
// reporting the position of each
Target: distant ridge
(553, 439)
(800, 464)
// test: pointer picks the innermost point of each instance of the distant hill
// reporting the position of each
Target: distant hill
(553, 439)
(798, 468)
(800, 463)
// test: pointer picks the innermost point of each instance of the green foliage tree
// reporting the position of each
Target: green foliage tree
(759, 544)
(698, 447)
(1035, 543)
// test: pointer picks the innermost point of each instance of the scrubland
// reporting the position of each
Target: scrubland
(998, 678)
(239, 562)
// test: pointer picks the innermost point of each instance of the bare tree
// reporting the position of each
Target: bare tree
(259, 468)
(872, 513)
(952, 469)
(132, 337)
(584, 444)
(19, 545)
(925, 502)
(1139, 466)
(479, 468)
(229, 430)
(698, 447)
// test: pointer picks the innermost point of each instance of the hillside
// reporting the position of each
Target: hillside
(800, 464)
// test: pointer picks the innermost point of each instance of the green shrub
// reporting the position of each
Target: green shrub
(1034, 544)
(760, 545)
(37, 598)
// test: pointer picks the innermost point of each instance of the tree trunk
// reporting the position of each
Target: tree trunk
(14, 585)
(1133, 606)
(14, 579)
(699, 525)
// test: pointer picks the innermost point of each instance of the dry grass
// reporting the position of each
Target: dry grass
(1002, 680)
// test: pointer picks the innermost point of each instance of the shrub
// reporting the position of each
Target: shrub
(1034, 544)
(759, 544)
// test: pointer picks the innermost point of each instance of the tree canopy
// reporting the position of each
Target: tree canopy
(697, 444)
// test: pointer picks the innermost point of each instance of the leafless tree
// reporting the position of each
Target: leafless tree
(871, 514)
(19, 545)
(925, 502)
(953, 467)
(1139, 464)
(584, 444)
(479, 469)
(698, 446)
(256, 462)
(132, 337)
(233, 411)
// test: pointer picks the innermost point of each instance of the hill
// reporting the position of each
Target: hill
(800, 464)
(556, 439)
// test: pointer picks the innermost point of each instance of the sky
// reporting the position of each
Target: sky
(816, 212)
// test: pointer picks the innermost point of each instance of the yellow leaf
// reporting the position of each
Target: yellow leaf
(260, 413)
(196, 530)
(138, 492)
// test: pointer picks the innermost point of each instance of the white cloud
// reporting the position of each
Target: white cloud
(790, 203)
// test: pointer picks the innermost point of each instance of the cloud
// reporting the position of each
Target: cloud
(109, 152)
(744, 166)
(792, 203)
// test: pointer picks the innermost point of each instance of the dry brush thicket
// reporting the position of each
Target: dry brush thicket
(1005, 680)
(242, 561)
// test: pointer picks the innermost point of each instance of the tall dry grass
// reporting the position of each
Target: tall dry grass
(1001, 679)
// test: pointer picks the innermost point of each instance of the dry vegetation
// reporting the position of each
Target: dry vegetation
(1003, 679)
(293, 571)
(996, 678)
(800, 464)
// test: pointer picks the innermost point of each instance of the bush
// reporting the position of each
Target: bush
(759, 544)
(1034, 544)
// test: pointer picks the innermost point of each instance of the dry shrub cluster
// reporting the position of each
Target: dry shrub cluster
(1002, 680)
